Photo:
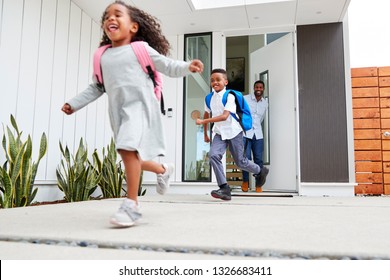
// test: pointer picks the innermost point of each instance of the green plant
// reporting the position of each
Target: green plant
(141, 191)
(111, 181)
(113, 176)
(76, 176)
(17, 175)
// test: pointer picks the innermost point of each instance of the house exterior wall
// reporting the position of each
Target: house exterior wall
(323, 110)
(45, 55)
(46, 50)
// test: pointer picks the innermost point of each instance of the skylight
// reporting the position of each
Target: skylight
(207, 4)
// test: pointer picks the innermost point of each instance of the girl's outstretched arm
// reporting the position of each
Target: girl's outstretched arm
(196, 66)
(67, 109)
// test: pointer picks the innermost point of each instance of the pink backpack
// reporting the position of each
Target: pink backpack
(146, 64)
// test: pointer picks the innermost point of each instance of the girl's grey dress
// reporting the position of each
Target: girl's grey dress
(133, 108)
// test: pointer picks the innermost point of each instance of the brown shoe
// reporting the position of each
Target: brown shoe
(259, 189)
(245, 186)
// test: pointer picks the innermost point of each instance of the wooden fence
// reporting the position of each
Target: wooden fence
(371, 113)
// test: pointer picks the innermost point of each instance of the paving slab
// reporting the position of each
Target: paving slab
(201, 227)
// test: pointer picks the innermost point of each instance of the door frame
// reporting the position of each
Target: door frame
(296, 112)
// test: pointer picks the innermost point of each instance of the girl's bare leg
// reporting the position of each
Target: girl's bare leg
(128, 213)
(132, 165)
(152, 166)
(163, 171)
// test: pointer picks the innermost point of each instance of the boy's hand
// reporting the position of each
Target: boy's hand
(196, 66)
(67, 109)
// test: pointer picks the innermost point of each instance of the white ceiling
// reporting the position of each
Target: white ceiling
(179, 16)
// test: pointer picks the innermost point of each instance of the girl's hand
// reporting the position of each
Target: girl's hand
(67, 109)
(196, 66)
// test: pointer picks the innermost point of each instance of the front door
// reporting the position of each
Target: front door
(275, 62)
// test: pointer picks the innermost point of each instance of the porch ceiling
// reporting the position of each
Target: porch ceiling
(179, 16)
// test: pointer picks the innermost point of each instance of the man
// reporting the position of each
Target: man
(253, 140)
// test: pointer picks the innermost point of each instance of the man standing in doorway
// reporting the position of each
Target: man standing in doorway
(253, 140)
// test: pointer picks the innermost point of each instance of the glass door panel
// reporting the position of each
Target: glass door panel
(196, 166)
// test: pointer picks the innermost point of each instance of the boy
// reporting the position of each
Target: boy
(227, 131)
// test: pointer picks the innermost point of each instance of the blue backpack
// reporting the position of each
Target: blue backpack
(243, 113)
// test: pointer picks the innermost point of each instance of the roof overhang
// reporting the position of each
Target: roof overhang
(231, 16)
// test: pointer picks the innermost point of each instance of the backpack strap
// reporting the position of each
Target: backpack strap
(224, 101)
(238, 115)
(207, 99)
(97, 69)
(148, 67)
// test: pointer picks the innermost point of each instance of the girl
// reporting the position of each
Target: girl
(133, 108)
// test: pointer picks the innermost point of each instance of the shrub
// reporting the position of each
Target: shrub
(76, 176)
(113, 176)
(111, 181)
(17, 174)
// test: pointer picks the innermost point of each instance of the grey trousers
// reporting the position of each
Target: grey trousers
(236, 147)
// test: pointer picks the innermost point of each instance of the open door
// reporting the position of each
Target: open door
(277, 61)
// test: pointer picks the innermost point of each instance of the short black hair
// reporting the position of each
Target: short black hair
(220, 71)
(259, 82)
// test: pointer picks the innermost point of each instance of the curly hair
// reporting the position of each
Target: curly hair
(149, 29)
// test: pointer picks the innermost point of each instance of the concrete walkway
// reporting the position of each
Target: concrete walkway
(201, 227)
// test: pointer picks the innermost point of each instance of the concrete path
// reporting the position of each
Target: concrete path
(201, 227)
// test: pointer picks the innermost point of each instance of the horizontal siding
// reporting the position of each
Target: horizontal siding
(384, 93)
(371, 112)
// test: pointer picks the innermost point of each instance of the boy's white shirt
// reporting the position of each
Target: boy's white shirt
(229, 128)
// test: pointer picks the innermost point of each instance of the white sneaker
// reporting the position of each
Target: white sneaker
(127, 214)
(163, 179)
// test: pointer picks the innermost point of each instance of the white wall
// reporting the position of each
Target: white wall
(45, 54)
(173, 98)
(369, 26)
(46, 48)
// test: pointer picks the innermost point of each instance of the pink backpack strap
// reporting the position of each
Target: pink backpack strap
(97, 70)
(142, 55)
(145, 60)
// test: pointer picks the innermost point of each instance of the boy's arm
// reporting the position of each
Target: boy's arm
(230, 107)
(206, 115)
(219, 118)
(206, 120)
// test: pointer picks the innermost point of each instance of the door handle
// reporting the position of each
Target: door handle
(386, 133)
